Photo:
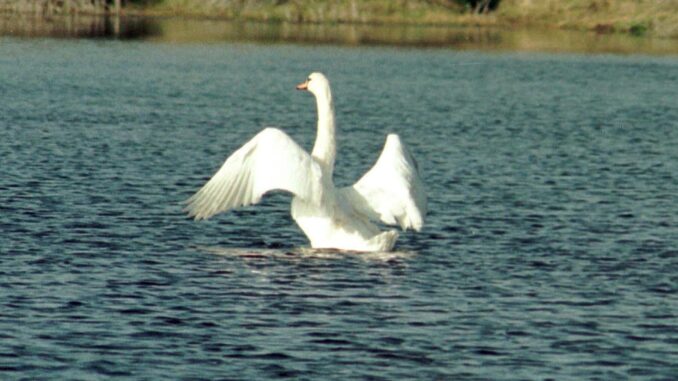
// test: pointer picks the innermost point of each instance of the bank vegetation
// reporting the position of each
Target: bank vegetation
(639, 17)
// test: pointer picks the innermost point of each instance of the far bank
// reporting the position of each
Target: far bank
(637, 17)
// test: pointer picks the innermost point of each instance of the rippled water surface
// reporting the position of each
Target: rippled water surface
(550, 251)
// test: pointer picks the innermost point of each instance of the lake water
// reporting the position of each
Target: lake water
(550, 250)
(183, 30)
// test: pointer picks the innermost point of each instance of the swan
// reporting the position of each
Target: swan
(332, 218)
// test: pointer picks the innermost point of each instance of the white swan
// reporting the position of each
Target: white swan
(390, 191)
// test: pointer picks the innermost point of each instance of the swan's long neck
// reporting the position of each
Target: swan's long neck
(325, 148)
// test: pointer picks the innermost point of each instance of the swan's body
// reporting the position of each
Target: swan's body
(338, 218)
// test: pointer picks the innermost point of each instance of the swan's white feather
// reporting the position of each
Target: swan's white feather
(391, 191)
(331, 218)
(269, 161)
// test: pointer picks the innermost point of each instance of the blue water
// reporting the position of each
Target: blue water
(550, 250)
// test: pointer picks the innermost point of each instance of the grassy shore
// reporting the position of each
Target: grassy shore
(639, 17)
(657, 18)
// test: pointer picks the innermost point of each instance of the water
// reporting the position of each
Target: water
(550, 251)
(182, 30)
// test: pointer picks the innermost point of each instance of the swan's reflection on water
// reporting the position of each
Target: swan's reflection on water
(318, 269)
(301, 253)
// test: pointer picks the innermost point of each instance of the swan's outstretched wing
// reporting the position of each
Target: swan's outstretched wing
(270, 161)
(391, 191)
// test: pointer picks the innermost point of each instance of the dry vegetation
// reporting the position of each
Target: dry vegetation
(48, 7)
(655, 17)
(652, 17)
(639, 17)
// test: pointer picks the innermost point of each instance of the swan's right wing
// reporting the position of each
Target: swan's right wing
(391, 191)
(270, 161)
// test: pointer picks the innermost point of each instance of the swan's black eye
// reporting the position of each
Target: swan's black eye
(308, 79)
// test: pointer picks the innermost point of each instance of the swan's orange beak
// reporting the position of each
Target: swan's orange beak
(303, 86)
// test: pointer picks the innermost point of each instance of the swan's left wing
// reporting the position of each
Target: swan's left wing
(270, 161)
(391, 191)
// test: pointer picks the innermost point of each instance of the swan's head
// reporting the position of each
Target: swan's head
(317, 84)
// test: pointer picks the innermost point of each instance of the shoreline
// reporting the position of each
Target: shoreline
(512, 14)
(182, 30)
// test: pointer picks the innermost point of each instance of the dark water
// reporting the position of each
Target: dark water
(550, 252)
